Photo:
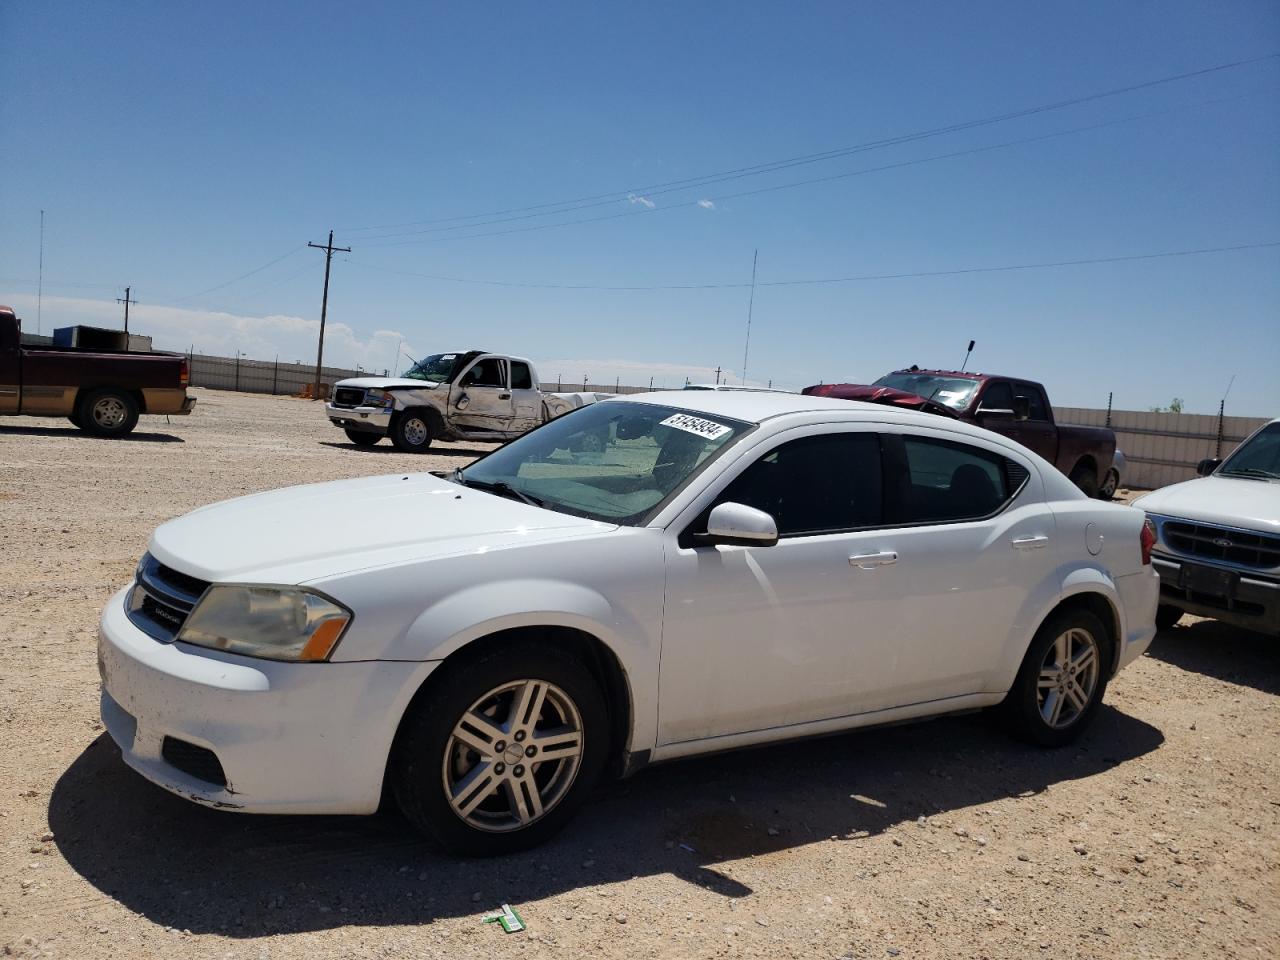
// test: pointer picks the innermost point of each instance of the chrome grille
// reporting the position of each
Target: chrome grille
(162, 598)
(348, 397)
(1239, 547)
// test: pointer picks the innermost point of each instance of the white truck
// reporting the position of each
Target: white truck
(474, 395)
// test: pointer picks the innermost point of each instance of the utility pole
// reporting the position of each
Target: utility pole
(126, 301)
(329, 250)
(40, 281)
(717, 375)
(750, 304)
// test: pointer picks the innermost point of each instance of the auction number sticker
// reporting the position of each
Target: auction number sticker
(703, 428)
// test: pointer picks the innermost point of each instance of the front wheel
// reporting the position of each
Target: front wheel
(1060, 684)
(362, 438)
(502, 751)
(410, 432)
(107, 412)
(1166, 616)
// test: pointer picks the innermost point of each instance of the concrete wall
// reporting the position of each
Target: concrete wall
(1164, 448)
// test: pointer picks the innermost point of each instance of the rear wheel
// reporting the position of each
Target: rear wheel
(362, 438)
(1109, 485)
(1084, 476)
(410, 432)
(1060, 684)
(1166, 616)
(107, 412)
(503, 751)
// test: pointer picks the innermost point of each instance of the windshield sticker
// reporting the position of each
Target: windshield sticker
(951, 393)
(703, 428)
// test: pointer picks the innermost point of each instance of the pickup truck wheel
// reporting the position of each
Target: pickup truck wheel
(362, 438)
(1167, 615)
(107, 412)
(1109, 484)
(1061, 682)
(1086, 478)
(410, 432)
(74, 417)
(502, 752)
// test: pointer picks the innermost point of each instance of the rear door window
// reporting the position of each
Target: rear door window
(1039, 409)
(949, 481)
(521, 378)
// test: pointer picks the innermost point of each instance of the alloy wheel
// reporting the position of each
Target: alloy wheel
(415, 431)
(513, 755)
(109, 413)
(1068, 678)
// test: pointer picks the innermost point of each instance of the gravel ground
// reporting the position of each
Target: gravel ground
(1156, 836)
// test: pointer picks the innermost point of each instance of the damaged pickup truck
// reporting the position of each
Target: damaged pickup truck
(448, 396)
(1014, 408)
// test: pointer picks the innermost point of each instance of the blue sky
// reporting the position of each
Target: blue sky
(175, 147)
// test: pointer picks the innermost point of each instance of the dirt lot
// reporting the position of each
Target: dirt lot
(1157, 836)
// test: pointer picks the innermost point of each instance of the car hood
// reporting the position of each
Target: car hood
(386, 383)
(311, 532)
(1229, 501)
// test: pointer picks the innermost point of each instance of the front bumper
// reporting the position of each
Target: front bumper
(289, 737)
(367, 419)
(1242, 598)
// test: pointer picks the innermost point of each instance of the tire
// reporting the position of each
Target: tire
(107, 412)
(1058, 718)
(1086, 478)
(1166, 616)
(362, 438)
(429, 760)
(1110, 483)
(411, 432)
(74, 417)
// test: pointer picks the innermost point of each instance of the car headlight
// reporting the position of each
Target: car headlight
(378, 398)
(276, 623)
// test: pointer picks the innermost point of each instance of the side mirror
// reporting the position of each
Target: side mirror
(738, 525)
(1207, 466)
(1021, 408)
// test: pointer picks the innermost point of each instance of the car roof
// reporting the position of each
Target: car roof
(760, 407)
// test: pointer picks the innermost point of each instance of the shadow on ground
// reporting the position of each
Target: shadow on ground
(434, 450)
(1221, 651)
(138, 436)
(193, 868)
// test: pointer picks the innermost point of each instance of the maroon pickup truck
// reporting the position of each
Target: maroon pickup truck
(101, 392)
(1015, 408)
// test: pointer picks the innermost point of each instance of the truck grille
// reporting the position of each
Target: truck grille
(1238, 547)
(348, 397)
(162, 598)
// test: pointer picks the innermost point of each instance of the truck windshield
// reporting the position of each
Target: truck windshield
(615, 461)
(1257, 458)
(438, 368)
(954, 392)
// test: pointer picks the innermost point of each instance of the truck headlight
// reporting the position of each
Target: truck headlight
(276, 623)
(378, 398)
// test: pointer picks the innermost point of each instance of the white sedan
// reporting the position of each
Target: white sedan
(724, 569)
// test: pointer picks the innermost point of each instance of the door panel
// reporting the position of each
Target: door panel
(481, 399)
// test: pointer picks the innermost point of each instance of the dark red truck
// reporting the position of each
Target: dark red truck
(101, 392)
(1015, 408)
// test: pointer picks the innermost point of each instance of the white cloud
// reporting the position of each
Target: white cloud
(706, 204)
(643, 201)
(222, 334)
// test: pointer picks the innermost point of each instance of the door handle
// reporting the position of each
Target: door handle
(1036, 542)
(869, 561)
(504, 396)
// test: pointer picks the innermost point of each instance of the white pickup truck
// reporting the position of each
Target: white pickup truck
(448, 396)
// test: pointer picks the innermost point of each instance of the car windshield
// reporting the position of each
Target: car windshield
(954, 392)
(1258, 457)
(438, 368)
(615, 461)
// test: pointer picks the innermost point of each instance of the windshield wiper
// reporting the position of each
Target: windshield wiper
(1251, 473)
(500, 487)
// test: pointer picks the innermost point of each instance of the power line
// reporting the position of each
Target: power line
(774, 165)
(825, 280)
(642, 211)
(243, 276)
